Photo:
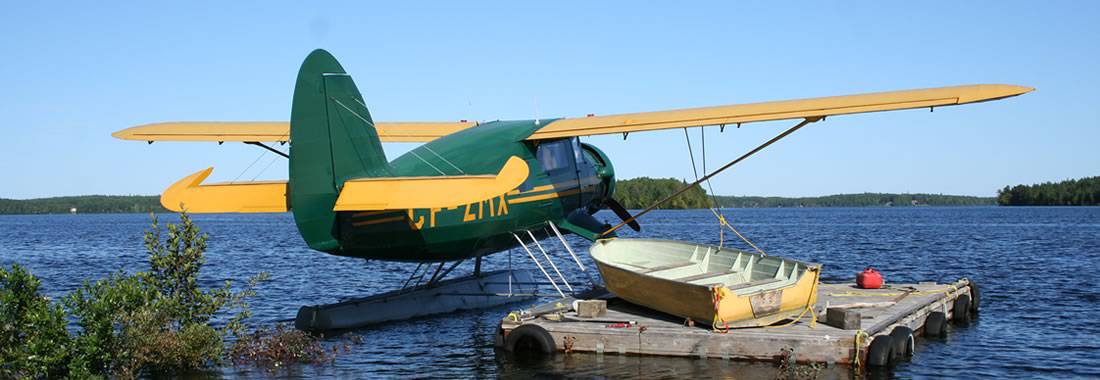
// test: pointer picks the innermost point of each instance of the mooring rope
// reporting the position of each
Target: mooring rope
(809, 307)
(722, 222)
(716, 295)
(860, 336)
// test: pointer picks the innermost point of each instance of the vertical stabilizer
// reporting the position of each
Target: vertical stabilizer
(332, 139)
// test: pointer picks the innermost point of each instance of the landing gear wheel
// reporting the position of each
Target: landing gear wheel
(960, 314)
(881, 352)
(530, 339)
(903, 342)
(936, 325)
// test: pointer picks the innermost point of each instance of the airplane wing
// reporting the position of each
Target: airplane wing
(277, 131)
(811, 108)
(367, 194)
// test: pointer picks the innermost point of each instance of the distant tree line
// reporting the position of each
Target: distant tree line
(91, 204)
(642, 192)
(1072, 192)
(858, 200)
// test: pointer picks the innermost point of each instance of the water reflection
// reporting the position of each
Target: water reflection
(613, 366)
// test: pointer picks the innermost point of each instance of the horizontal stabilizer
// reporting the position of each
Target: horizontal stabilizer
(245, 197)
(276, 131)
(399, 193)
(778, 110)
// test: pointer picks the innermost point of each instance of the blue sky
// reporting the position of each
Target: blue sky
(73, 73)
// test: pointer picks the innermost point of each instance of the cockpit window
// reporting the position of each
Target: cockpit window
(591, 156)
(556, 155)
(577, 151)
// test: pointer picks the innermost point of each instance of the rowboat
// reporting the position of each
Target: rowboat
(723, 286)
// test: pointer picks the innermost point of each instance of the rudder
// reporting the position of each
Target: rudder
(332, 139)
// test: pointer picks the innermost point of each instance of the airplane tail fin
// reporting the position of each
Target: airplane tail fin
(332, 139)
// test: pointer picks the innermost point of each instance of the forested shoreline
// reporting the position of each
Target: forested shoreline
(641, 192)
(637, 193)
(858, 200)
(1071, 192)
(84, 204)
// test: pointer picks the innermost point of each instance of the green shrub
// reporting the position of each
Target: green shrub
(151, 323)
(155, 321)
(33, 340)
(101, 310)
(174, 270)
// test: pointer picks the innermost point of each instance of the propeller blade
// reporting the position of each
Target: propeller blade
(622, 213)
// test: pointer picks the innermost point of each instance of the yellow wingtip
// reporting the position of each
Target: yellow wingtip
(172, 197)
(987, 92)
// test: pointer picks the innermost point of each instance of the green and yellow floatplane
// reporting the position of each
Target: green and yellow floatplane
(728, 287)
(474, 189)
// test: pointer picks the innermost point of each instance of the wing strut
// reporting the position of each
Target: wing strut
(260, 144)
(798, 126)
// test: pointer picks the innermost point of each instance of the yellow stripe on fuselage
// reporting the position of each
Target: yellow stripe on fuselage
(545, 196)
(520, 197)
(553, 186)
(379, 221)
(369, 213)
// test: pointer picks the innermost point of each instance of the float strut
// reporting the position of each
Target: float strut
(537, 263)
(552, 265)
(570, 250)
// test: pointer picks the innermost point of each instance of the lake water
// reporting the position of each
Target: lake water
(1037, 268)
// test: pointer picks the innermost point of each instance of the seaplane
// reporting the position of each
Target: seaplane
(470, 190)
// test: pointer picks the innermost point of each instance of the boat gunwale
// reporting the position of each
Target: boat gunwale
(806, 265)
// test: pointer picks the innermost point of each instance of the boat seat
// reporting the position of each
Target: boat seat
(765, 281)
(640, 264)
(703, 275)
(669, 266)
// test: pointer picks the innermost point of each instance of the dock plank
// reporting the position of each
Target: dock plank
(653, 333)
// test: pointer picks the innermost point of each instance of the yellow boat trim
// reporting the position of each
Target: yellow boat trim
(736, 307)
(247, 197)
(400, 193)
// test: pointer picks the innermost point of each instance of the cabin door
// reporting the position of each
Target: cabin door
(559, 161)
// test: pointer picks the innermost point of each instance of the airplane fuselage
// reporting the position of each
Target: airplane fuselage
(565, 177)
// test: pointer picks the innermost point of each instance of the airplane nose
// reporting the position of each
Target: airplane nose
(604, 172)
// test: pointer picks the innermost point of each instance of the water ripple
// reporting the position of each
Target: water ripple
(1035, 266)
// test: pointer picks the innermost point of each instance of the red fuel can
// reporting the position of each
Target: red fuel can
(869, 279)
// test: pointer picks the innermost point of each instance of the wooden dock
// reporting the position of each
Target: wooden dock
(627, 329)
